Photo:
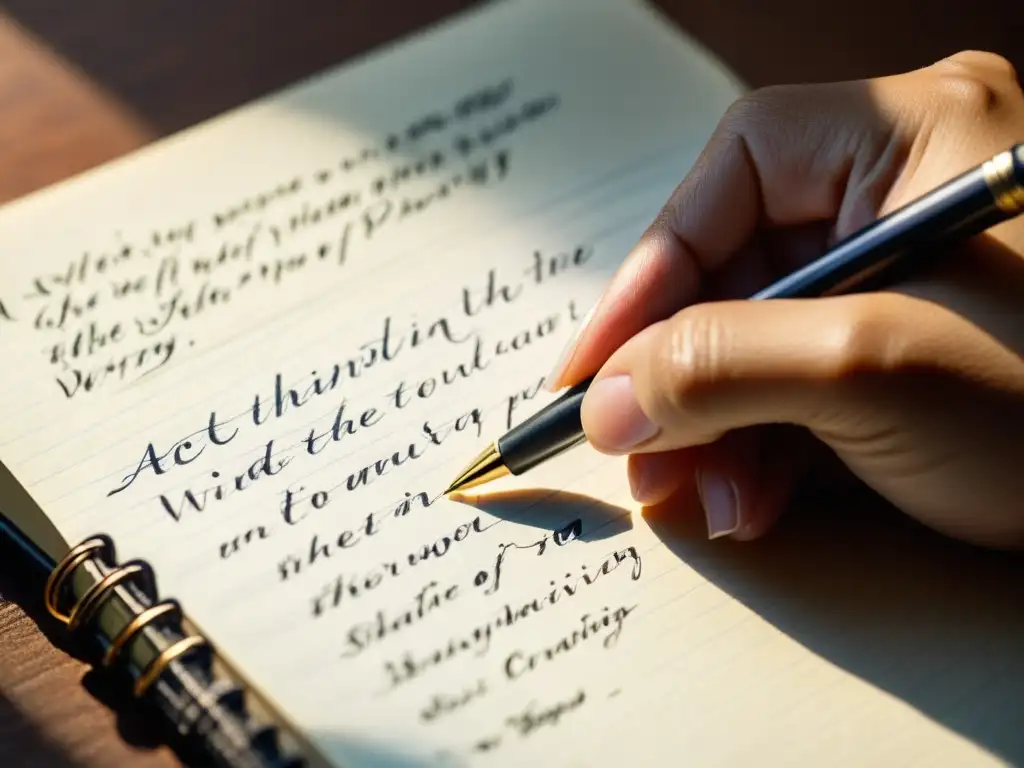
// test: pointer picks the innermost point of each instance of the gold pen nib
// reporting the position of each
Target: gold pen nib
(484, 468)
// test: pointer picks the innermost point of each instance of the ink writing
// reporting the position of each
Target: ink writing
(123, 310)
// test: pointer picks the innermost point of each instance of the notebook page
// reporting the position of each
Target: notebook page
(256, 353)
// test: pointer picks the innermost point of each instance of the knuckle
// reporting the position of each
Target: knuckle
(755, 109)
(980, 63)
(1002, 65)
(869, 340)
(690, 359)
(736, 117)
(967, 95)
(973, 83)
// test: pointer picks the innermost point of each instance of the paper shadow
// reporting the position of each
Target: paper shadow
(550, 510)
(933, 622)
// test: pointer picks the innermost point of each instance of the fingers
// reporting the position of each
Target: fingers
(840, 153)
(654, 477)
(867, 374)
(780, 157)
(894, 385)
(713, 368)
(744, 481)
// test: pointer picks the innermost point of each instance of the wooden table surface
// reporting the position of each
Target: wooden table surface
(82, 83)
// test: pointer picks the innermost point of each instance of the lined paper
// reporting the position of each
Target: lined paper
(255, 354)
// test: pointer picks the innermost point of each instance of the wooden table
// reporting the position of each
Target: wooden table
(81, 83)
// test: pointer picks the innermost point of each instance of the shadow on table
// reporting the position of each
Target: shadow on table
(21, 743)
(933, 622)
(174, 64)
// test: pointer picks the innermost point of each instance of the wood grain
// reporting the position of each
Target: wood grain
(49, 711)
(82, 83)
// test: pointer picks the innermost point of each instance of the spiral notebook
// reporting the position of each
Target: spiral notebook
(241, 365)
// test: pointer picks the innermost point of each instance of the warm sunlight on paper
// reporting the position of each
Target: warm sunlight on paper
(255, 354)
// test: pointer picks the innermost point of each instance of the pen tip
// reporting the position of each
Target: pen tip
(484, 468)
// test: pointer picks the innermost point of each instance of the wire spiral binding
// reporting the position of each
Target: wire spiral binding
(245, 742)
(67, 565)
(91, 600)
(132, 628)
(89, 603)
(156, 667)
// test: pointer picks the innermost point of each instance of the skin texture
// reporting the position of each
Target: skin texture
(917, 390)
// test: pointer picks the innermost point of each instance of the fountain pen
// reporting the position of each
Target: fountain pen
(894, 245)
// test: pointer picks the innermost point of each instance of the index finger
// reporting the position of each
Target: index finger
(780, 157)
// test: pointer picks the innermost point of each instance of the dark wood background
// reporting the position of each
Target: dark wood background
(82, 83)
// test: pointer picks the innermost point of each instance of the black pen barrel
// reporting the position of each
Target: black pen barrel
(964, 206)
(552, 430)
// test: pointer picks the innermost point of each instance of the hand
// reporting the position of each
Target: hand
(918, 390)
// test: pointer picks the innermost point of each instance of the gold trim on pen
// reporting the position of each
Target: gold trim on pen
(484, 468)
(1006, 190)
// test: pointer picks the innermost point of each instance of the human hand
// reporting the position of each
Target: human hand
(919, 390)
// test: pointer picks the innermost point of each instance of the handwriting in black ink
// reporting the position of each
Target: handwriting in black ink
(441, 704)
(364, 634)
(520, 663)
(533, 717)
(477, 640)
(267, 465)
(378, 351)
(570, 532)
(353, 586)
(238, 543)
(153, 283)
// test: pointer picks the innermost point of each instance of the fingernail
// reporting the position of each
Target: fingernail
(566, 355)
(721, 504)
(618, 422)
(635, 474)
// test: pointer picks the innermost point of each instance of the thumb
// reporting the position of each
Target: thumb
(684, 396)
(894, 385)
(722, 366)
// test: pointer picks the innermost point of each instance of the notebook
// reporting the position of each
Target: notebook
(252, 355)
